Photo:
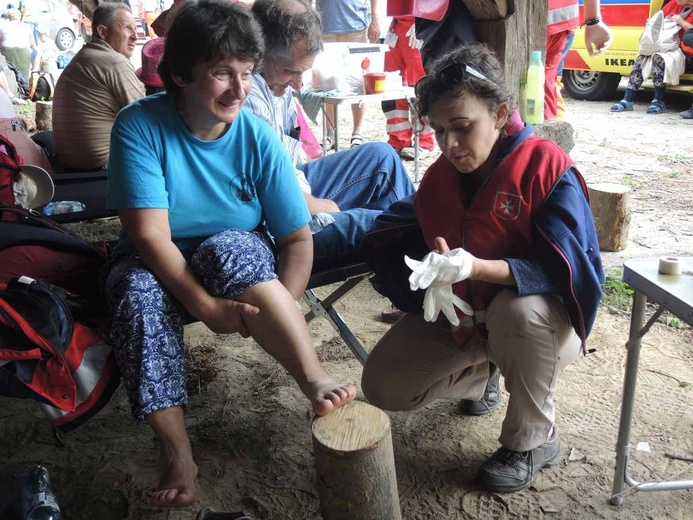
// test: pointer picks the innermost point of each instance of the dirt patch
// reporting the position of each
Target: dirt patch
(250, 426)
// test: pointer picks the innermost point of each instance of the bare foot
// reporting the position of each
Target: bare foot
(177, 484)
(326, 394)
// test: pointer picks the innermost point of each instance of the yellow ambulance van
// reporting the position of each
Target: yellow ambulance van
(595, 78)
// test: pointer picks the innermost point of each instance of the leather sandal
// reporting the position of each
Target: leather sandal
(356, 139)
(622, 106)
(656, 107)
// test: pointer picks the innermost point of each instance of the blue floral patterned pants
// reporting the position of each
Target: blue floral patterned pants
(147, 321)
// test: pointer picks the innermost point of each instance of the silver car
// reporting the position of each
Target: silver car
(55, 17)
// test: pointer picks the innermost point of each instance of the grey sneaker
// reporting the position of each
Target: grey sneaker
(491, 399)
(687, 114)
(508, 470)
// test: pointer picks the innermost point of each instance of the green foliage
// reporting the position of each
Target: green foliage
(617, 294)
(673, 174)
(628, 180)
(675, 158)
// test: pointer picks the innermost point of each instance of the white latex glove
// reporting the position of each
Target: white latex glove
(436, 273)
(413, 42)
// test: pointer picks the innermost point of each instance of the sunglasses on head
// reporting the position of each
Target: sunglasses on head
(450, 76)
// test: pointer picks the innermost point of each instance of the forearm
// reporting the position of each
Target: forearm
(166, 261)
(592, 9)
(493, 271)
(295, 264)
(316, 205)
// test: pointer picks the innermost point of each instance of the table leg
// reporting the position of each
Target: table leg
(336, 127)
(324, 129)
(628, 400)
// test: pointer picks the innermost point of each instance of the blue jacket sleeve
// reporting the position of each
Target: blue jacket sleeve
(567, 238)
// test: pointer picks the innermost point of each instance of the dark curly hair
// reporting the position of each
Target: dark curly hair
(453, 74)
(207, 30)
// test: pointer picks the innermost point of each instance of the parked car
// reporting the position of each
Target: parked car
(56, 18)
(596, 78)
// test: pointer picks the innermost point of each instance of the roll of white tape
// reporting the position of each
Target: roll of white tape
(670, 265)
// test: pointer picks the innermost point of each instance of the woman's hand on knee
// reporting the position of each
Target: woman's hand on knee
(225, 316)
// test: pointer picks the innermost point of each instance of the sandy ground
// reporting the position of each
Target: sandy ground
(250, 426)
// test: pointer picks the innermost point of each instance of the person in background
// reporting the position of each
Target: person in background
(48, 51)
(404, 56)
(349, 21)
(148, 73)
(214, 228)
(98, 82)
(664, 66)
(344, 191)
(15, 130)
(512, 210)
(563, 18)
(561, 113)
(18, 42)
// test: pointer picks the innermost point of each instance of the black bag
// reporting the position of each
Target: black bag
(34, 245)
(22, 81)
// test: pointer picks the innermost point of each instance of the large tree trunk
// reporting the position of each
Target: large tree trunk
(355, 464)
(512, 28)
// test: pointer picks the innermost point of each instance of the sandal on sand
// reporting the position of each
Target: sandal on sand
(330, 144)
(656, 107)
(210, 514)
(622, 106)
(356, 139)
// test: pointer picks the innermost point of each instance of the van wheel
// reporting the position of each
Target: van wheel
(65, 39)
(590, 85)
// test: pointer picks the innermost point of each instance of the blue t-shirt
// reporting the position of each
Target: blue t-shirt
(344, 16)
(239, 181)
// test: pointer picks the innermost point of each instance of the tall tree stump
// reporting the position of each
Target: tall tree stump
(611, 211)
(44, 115)
(355, 464)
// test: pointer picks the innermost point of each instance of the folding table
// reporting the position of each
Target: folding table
(673, 293)
(359, 99)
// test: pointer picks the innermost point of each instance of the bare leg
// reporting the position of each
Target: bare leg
(358, 113)
(280, 329)
(178, 470)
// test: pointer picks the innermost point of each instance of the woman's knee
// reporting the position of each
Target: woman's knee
(231, 262)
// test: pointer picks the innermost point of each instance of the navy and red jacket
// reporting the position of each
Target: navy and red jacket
(563, 258)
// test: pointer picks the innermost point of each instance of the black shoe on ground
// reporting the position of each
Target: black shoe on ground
(687, 114)
(507, 471)
(491, 399)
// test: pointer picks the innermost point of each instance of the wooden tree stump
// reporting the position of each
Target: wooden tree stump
(355, 464)
(44, 115)
(611, 211)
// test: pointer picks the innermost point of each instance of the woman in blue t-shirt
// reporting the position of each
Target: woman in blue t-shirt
(201, 187)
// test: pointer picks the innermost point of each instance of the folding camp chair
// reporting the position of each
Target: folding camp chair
(350, 274)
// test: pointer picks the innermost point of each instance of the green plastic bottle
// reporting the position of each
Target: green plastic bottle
(533, 98)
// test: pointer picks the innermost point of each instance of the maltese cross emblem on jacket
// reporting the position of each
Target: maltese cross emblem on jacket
(507, 205)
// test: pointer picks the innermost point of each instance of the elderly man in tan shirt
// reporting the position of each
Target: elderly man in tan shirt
(98, 82)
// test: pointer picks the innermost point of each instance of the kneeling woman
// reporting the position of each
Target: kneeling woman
(518, 206)
(200, 186)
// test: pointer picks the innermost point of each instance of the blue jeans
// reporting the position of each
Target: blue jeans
(362, 181)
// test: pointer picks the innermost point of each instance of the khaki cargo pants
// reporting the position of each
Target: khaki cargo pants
(530, 339)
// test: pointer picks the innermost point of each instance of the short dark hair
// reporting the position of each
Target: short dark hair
(477, 56)
(284, 24)
(207, 30)
(105, 14)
